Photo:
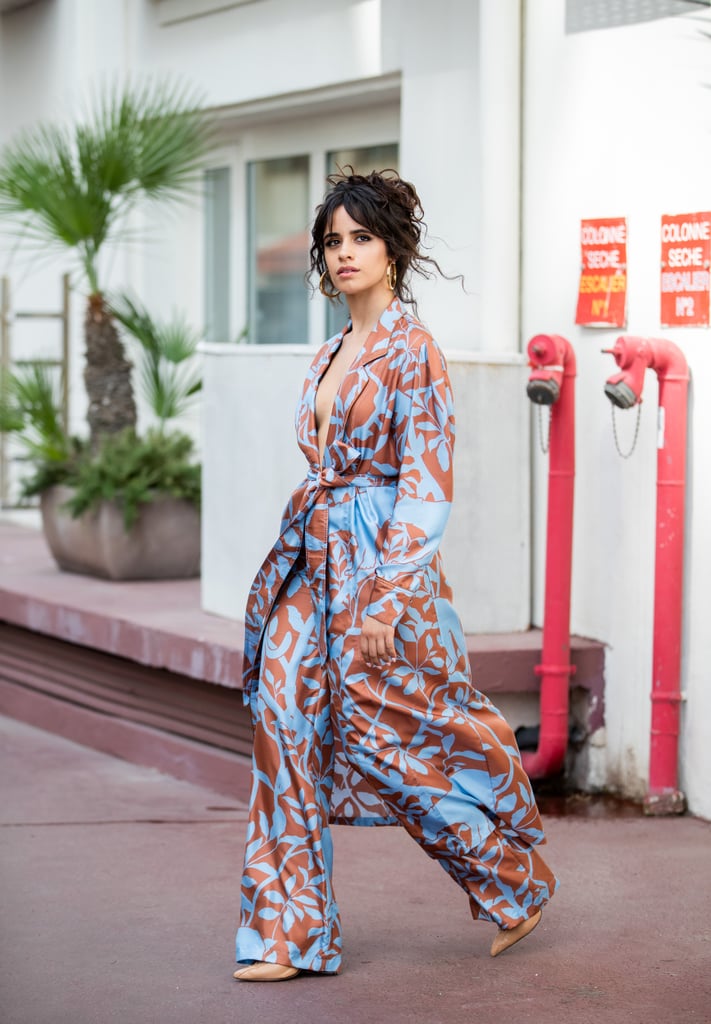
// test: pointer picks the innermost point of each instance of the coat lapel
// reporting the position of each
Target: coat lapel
(306, 427)
(376, 346)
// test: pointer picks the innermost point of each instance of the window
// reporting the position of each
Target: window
(365, 158)
(217, 254)
(278, 242)
(590, 15)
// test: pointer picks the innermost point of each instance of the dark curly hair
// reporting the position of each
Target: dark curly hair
(387, 206)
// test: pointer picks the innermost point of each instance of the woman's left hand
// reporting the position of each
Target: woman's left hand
(377, 642)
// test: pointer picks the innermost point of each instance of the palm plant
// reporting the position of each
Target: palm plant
(30, 408)
(74, 187)
(168, 378)
(127, 468)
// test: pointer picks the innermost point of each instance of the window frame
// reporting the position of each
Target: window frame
(228, 157)
(172, 11)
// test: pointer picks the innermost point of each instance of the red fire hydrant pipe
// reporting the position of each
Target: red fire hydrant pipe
(669, 363)
(553, 361)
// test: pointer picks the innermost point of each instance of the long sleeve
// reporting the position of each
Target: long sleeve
(424, 426)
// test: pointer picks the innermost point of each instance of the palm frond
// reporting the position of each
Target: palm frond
(74, 185)
(168, 385)
(136, 319)
(153, 138)
(30, 408)
(40, 186)
(173, 139)
(177, 340)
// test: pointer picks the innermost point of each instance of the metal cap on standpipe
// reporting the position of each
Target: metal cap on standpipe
(620, 394)
(543, 391)
(546, 353)
(633, 356)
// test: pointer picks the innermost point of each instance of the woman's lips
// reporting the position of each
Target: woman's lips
(347, 271)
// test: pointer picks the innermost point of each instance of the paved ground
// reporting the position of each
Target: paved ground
(120, 891)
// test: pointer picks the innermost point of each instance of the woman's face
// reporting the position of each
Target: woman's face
(356, 259)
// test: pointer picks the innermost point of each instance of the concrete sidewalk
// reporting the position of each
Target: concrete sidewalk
(120, 890)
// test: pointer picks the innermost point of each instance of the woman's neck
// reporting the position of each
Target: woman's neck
(366, 310)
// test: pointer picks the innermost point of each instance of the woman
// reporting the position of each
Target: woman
(356, 669)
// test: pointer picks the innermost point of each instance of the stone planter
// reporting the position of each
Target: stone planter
(164, 542)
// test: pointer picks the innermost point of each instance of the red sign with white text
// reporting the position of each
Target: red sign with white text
(686, 270)
(602, 293)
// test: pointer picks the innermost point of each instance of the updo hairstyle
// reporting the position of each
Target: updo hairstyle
(388, 207)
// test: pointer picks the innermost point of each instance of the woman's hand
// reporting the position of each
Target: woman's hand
(377, 642)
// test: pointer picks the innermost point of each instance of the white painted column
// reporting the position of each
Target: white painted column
(500, 154)
(439, 153)
(460, 145)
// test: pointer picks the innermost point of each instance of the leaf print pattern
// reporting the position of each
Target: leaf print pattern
(413, 744)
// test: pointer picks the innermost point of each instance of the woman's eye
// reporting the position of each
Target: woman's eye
(331, 242)
(363, 238)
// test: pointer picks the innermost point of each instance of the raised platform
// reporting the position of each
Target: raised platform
(140, 671)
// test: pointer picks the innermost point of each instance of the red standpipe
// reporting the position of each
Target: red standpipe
(552, 382)
(633, 356)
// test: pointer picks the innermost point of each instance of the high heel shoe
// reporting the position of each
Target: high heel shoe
(510, 936)
(260, 971)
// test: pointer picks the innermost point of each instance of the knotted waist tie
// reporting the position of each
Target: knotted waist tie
(319, 481)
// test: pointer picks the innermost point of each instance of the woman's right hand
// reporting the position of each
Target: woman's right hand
(377, 642)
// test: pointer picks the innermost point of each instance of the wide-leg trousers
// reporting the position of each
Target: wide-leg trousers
(438, 754)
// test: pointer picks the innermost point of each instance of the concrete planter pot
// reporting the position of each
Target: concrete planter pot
(164, 542)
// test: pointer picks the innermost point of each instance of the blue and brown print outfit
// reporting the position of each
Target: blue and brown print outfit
(412, 743)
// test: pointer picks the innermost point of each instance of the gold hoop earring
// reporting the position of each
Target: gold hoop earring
(391, 275)
(324, 291)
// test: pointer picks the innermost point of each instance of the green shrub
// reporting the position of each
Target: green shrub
(123, 467)
(133, 471)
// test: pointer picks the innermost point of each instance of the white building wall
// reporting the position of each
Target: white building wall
(618, 123)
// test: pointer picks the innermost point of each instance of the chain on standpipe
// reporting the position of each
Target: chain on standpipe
(545, 445)
(625, 455)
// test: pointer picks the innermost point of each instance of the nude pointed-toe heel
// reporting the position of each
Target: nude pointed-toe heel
(510, 936)
(265, 972)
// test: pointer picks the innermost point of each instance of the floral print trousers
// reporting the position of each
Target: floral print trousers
(436, 754)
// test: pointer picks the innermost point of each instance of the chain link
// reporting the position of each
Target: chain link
(545, 445)
(625, 455)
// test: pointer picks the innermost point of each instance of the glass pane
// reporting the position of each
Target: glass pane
(363, 160)
(217, 254)
(278, 205)
(590, 15)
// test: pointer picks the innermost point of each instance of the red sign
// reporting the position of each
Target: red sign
(602, 294)
(686, 263)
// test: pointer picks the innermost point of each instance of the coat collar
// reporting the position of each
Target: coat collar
(378, 341)
(376, 345)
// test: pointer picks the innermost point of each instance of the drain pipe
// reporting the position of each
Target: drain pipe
(633, 356)
(552, 383)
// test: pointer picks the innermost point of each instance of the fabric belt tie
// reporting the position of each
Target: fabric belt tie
(325, 477)
(320, 480)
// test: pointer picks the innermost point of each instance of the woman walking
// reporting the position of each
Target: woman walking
(356, 668)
